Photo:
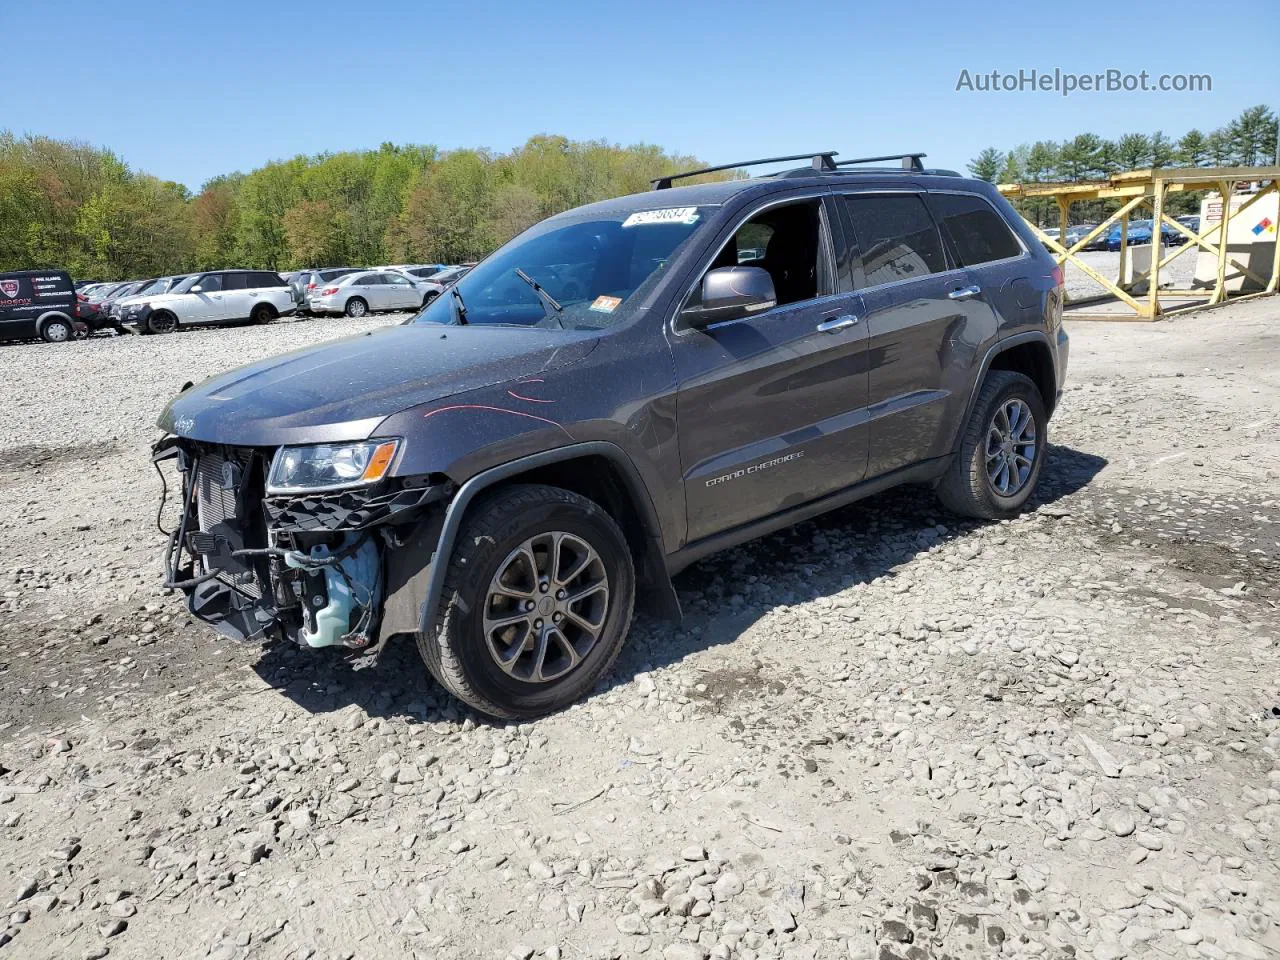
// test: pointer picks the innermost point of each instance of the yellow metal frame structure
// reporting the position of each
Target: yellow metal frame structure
(1150, 187)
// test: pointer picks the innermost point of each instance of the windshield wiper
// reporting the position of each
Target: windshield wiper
(546, 298)
(459, 308)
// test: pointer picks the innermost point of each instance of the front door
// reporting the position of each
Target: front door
(771, 407)
(401, 294)
(207, 303)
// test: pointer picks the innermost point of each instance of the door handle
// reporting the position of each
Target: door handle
(964, 293)
(836, 324)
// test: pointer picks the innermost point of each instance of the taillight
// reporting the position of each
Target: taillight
(328, 291)
(82, 298)
(311, 286)
(1059, 278)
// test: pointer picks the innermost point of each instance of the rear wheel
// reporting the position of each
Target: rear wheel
(162, 322)
(426, 301)
(1001, 452)
(538, 599)
(356, 307)
(56, 331)
(263, 313)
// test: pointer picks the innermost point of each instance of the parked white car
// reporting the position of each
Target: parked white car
(218, 296)
(359, 293)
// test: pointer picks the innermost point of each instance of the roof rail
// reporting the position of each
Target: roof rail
(821, 162)
(910, 161)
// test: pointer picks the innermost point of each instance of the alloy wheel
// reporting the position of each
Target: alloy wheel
(546, 607)
(1011, 447)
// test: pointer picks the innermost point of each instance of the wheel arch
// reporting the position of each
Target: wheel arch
(50, 316)
(1025, 353)
(1034, 360)
(597, 470)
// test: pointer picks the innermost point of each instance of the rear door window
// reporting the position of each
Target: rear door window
(978, 234)
(894, 238)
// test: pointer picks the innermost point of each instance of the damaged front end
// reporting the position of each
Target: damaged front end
(324, 567)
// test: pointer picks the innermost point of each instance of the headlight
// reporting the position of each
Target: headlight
(330, 466)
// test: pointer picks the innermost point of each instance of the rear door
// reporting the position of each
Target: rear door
(924, 326)
(771, 407)
(997, 263)
(368, 287)
(237, 298)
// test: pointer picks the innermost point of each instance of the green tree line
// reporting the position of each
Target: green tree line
(1248, 140)
(68, 204)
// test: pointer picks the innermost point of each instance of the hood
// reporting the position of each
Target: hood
(341, 390)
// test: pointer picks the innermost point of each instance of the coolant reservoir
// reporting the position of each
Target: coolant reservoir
(341, 614)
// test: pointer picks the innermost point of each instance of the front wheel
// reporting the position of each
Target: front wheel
(1001, 451)
(537, 602)
(356, 307)
(162, 322)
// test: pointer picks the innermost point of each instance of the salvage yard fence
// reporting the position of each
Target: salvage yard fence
(1139, 290)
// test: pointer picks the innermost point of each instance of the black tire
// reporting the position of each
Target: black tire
(57, 331)
(162, 321)
(262, 313)
(458, 654)
(352, 310)
(426, 301)
(966, 488)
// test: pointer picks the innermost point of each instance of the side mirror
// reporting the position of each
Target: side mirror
(197, 288)
(729, 293)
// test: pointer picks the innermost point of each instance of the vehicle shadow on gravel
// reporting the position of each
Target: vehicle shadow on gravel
(721, 595)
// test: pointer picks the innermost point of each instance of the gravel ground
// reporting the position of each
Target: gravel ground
(1177, 274)
(885, 733)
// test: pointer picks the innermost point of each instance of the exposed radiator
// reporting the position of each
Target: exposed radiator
(217, 480)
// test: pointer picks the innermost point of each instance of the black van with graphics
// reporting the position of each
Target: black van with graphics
(37, 303)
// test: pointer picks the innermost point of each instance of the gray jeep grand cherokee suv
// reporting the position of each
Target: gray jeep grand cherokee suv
(620, 390)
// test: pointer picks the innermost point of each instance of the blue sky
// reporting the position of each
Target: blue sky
(190, 90)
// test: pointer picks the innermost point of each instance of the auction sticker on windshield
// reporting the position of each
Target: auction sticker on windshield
(603, 304)
(667, 215)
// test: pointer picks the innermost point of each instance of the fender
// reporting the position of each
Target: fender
(1031, 336)
(652, 556)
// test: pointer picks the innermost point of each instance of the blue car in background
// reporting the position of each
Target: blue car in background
(1140, 232)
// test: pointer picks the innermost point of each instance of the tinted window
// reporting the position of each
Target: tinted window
(978, 233)
(267, 280)
(235, 281)
(210, 283)
(894, 238)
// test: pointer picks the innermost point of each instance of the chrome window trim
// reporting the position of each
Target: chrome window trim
(824, 238)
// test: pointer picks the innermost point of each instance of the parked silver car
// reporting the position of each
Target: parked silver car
(359, 293)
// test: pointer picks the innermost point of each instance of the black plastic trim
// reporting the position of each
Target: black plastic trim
(456, 512)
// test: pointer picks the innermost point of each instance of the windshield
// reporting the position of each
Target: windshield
(155, 286)
(593, 270)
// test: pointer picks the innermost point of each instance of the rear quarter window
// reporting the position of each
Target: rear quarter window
(978, 234)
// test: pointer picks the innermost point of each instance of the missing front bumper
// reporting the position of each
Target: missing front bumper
(312, 569)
